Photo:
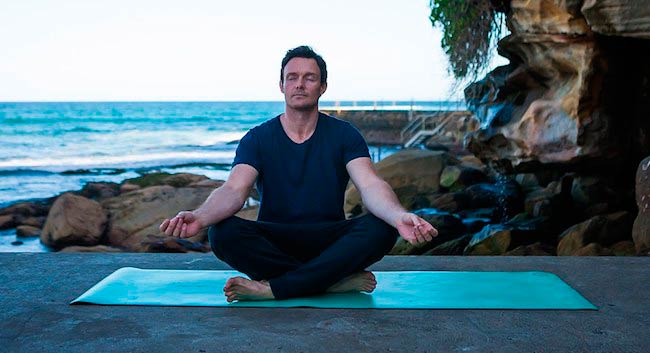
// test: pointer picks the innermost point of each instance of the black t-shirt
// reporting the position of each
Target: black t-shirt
(301, 183)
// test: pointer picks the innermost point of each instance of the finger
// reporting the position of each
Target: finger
(163, 225)
(178, 228)
(424, 230)
(418, 238)
(184, 231)
(171, 226)
(419, 235)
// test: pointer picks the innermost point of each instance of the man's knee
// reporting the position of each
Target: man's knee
(224, 235)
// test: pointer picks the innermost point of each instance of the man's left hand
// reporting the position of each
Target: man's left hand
(415, 230)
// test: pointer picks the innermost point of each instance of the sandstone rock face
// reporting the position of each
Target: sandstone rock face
(569, 95)
(630, 18)
(409, 173)
(641, 228)
(74, 220)
(136, 216)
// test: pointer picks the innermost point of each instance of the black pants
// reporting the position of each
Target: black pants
(301, 259)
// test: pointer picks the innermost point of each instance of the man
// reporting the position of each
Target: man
(301, 161)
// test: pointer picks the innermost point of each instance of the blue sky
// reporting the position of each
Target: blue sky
(215, 50)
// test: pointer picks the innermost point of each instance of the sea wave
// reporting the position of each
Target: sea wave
(129, 161)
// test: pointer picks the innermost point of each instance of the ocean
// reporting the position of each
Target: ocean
(49, 148)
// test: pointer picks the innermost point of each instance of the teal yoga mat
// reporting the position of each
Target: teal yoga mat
(395, 290)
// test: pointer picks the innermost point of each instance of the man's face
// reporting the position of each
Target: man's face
(301, 86)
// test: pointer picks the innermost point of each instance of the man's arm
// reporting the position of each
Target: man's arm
(380, 199)
(222, 203)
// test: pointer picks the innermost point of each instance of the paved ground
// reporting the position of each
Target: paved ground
(35, 290)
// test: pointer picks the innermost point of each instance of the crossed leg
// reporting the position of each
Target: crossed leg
(285, 261)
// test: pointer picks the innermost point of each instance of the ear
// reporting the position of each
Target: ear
(281, 86)
(323, 88)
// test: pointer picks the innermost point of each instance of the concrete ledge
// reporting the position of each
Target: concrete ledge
(36, 289)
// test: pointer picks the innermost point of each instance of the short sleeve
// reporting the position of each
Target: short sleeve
(354, 145)
(248, 152)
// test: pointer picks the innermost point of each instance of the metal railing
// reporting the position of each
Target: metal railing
(423, 126)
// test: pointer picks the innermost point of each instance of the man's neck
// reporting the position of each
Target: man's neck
(299, 124)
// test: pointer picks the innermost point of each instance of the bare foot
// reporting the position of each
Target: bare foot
(363, 281)
(240, 288)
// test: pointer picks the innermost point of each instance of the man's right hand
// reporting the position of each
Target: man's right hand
(184, 225)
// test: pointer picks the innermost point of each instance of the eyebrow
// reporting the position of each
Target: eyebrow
(297, 73)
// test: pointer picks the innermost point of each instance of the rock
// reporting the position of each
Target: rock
(26, 209)
(494, 239)
(74, 220)
(172, 245)
(96, 248)
(548, 16)
(458, 177)
(536, 249)
(604, 230)
(17, 242)
(100, 191)
(505, 195)
(409, 173)
(568, 96)
(527, 181)
(23, 213)
(207, 183)
(28, 231)
(136, 216)
(623, 248)
(7, 221)
(452, 247)
(627, 18)
(592, 249)
(472, 161)
(128, 187)
(450, 202)
(498, 239)
(37, 222)
(176, 180)
(641, 228)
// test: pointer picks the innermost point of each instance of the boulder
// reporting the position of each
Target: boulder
(28, 231)
(100, 191)
(96, 248)
(452, 247)
(7, 221)
(592, 249)
(409, 172)
(450, 202)
(641, 228)
(604, 230)
(176, 180)
(505, 195)
(498, 239)
(136, 216)
(37, 222)
(458, 177)
(74, 220)
(493, 239)
(536, 249)
(623, 248)
(629, 18)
